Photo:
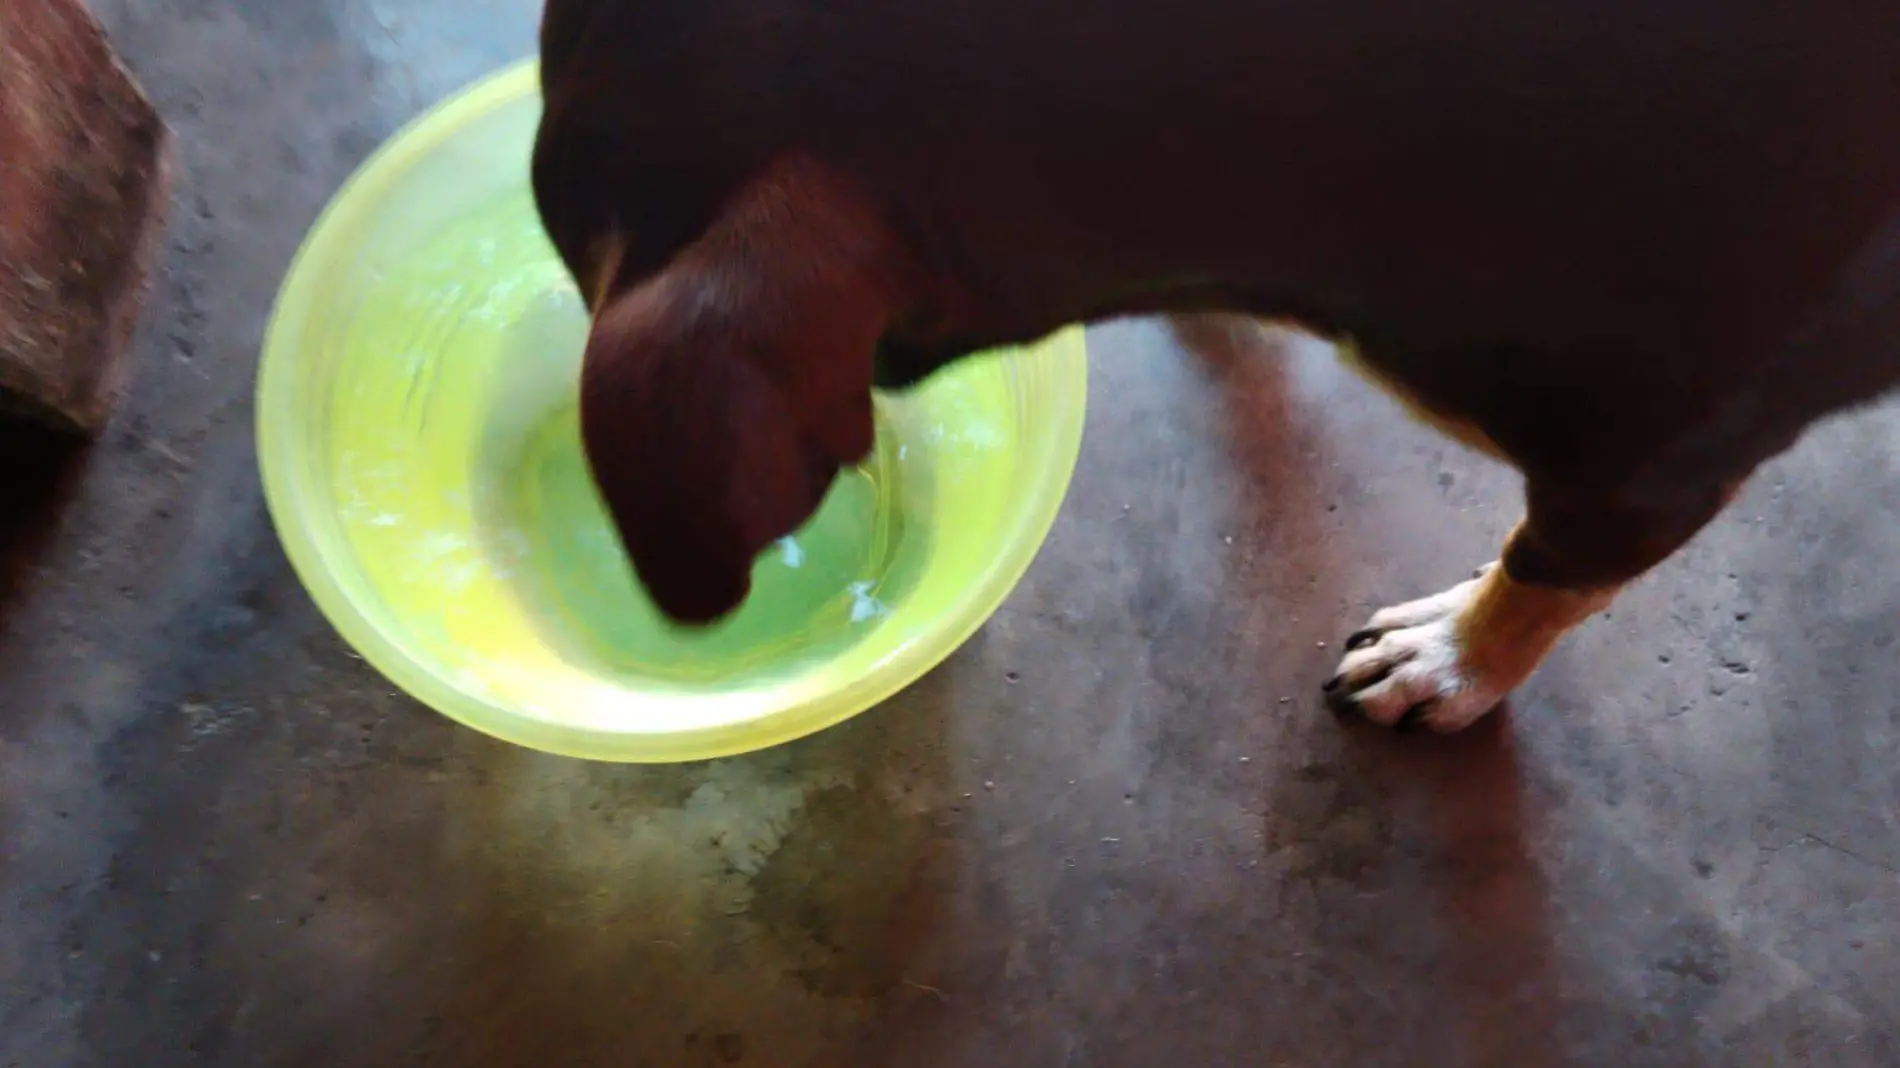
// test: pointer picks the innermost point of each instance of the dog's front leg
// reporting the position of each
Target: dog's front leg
(1444, 661)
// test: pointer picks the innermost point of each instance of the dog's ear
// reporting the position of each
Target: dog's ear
(720, 396)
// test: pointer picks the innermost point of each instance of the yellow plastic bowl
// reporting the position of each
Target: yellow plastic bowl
(418, 436)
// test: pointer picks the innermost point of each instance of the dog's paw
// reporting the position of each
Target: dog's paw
(1416, 664)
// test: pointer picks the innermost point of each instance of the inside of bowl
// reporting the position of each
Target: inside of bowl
(431, 423)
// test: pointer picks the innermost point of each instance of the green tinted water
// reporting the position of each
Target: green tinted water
(811, 592)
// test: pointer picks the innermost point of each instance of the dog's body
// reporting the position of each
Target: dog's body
(1633, 247)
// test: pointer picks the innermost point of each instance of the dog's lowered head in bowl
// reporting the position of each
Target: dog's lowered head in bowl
(1633, 248)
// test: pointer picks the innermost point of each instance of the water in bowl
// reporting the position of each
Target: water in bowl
(485, 375)
(811, 592)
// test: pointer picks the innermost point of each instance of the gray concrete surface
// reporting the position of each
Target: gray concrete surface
(1116, 831)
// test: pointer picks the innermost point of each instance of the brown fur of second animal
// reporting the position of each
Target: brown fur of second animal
(1621, 246)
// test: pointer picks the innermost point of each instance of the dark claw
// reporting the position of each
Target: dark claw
(1332, 684)
(1341, 704)
(1359, 639)
(1414, 717)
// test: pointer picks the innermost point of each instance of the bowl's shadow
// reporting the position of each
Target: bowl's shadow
(761, 909)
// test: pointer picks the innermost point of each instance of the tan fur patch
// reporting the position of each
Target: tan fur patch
(1508, 627)
(607, 251)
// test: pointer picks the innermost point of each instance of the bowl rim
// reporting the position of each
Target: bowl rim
(806, 712)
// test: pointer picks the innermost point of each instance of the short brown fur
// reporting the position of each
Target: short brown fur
(1633, 248)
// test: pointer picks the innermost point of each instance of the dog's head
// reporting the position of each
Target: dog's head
(721, 392)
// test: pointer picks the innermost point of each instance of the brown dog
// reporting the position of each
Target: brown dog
(1633, 247)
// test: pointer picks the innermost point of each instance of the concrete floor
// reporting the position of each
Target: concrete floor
(1116, 831)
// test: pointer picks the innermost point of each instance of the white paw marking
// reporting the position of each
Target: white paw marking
(1411, 666)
